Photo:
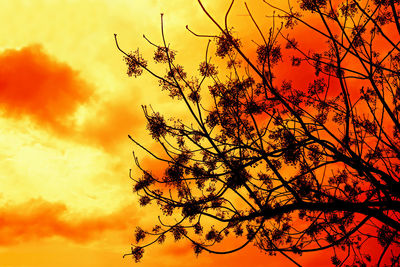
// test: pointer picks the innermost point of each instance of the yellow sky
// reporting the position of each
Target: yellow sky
(67, 107)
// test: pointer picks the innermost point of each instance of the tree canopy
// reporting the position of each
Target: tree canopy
(292, 147)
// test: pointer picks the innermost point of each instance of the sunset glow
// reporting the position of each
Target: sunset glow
(67, 109)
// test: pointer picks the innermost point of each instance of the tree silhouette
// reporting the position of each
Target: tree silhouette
(297, 147)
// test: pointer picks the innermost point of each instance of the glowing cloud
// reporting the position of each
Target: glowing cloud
(34, 84)
(110, 126)
(37, 219)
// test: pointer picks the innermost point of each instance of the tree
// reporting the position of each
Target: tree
(290, 164)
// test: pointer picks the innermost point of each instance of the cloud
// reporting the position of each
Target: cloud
(38, 218)
(179, 249)
(109, 126)
(34, 84)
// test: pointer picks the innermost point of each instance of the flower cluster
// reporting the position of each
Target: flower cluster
(226, 44)
(135, 63)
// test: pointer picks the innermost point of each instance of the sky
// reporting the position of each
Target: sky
(67, 107)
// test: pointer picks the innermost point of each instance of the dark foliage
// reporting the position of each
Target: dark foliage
(294, 164)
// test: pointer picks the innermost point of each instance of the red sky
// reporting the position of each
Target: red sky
(67, 107)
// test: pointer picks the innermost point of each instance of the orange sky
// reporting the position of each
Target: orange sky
(67, 107)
